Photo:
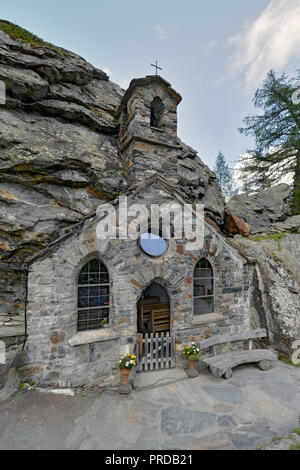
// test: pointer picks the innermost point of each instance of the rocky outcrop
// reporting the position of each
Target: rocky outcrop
(233, 225)
(291, 224)
(274, 245)
(199, 183)
(275, 286)
(264, 208)
(58, 157)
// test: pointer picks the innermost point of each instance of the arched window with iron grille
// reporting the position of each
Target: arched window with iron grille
(93, 296)
(203, 288)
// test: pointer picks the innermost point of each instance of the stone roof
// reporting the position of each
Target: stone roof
(131, 193)
(146, 81)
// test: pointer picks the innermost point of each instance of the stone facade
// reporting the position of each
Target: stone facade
(65, 357)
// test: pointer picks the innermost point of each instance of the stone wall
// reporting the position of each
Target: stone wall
(12, 287)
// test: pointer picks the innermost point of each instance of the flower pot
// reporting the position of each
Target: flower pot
(192, 372)
(125, 374)
(125, 387)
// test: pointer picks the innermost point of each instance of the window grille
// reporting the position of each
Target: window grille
(203, 288)
(93, 296)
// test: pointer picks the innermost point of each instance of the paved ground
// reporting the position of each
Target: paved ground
(244, 412)
(290, 442)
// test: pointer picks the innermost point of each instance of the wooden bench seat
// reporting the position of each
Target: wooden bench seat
(222, 365)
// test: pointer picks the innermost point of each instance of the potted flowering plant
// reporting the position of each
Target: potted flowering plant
(103, 323)
(125, 365)
(191, 353)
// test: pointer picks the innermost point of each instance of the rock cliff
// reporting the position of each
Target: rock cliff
(276, 286)
(58, 156)
(275, 247)
(262, 209)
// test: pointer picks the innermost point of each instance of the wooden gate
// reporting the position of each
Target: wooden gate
(155, 351)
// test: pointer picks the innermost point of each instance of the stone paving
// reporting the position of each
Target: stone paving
(290, 442)
(245, 412)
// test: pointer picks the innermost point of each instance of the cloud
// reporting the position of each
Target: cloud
(160, 31)
(269, 42)
(209, 47)
(239, 179)
(107, 71)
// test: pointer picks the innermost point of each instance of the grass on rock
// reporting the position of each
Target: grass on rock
(16, 32)
(289, 361)
(274, 236)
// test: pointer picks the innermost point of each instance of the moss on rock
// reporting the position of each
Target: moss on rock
(272, 236)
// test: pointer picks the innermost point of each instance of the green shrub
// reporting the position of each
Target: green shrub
(26, 385)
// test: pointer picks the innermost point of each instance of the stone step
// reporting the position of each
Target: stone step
(158, 378)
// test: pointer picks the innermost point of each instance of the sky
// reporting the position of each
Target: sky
(214, 53)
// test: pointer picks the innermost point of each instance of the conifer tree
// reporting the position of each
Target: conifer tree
(225, 176)
(277, 135)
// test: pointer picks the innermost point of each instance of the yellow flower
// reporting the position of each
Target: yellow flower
(133, 357)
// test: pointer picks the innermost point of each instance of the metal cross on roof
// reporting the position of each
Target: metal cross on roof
(156, 67)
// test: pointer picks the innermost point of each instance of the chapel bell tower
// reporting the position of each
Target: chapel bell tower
(148, 125)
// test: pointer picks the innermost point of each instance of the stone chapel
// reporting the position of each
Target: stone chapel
(90, 301)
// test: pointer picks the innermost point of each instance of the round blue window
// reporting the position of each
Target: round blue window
(153, 245)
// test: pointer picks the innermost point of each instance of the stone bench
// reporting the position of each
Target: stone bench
(222, 365)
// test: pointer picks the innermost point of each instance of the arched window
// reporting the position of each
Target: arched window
(203, 288)
(157, 112)
(93, 296)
